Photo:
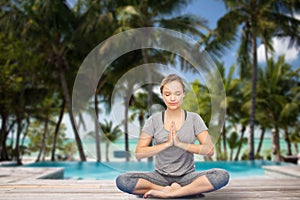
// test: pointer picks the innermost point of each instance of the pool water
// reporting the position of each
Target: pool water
(110, 170)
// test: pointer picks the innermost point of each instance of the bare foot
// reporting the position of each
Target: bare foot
(175, 185)
(164, 193)
(156, 193)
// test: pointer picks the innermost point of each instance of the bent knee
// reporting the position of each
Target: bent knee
(218, 178)
(126, 183)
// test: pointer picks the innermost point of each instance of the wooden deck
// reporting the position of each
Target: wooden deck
(22, 186)
(69, 189)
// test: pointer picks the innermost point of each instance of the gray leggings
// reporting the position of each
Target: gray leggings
(126, 182)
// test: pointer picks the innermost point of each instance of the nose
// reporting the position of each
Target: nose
(173, 97)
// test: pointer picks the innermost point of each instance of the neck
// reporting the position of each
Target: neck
(174, 112)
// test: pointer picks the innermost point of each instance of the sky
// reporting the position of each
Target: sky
(212, 10)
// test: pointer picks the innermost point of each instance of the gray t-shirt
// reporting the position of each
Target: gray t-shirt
(174, 161)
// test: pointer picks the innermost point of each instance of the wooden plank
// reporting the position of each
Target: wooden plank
(292, 171)
(37, 189)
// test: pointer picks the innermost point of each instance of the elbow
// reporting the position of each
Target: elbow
(138, 155)
(211, 152)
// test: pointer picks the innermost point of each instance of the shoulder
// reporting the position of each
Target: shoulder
(193, 115)
(152, 123)
(155, 117)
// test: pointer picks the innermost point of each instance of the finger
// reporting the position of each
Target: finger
(172, 125)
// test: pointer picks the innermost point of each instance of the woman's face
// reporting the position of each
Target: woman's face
(173, 95)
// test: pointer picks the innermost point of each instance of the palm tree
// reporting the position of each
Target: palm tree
(289, 115)
(147, 13)
(264, 124)
(235, 142)
(295, 139)
(232, 89)
(125, 89)
(139, 108)
(49, 26)
(109, 135)
(41, 137)
(255, 19)
(56, 131)
(59, 30)
(274, 94)
(197, 99)
(156, 14)
(10, 84)
(125, 15)
(20, 89)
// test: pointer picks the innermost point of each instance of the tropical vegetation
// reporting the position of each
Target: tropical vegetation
(43, 43)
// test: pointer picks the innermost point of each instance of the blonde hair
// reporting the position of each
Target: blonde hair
(170, 78)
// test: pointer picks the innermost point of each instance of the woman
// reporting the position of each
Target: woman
(174, 133)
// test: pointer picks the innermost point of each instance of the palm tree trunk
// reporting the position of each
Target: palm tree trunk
(276, 144)
(241, 143)
(253, 97)
(61, 115)
(224, 141)
(97, 136)
(67, 98)
(20, 115)
(288, 141)
(296, 147)
(107, 151)
(231, 154)
(43, 141)
(3, 138)
(25, 131)
(266, 52)
(16, 153)
(9, 130)
(262, 135)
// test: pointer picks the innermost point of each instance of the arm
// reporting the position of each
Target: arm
(205, 147)
(143, 150)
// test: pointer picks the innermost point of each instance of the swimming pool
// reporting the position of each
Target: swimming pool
(110, 170)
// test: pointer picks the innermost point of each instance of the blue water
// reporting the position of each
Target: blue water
(110, 170)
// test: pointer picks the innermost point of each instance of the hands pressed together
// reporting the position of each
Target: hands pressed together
(173, 138)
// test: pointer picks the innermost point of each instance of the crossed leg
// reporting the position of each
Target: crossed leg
(199, 185)
(144, 186)
(155, 185)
